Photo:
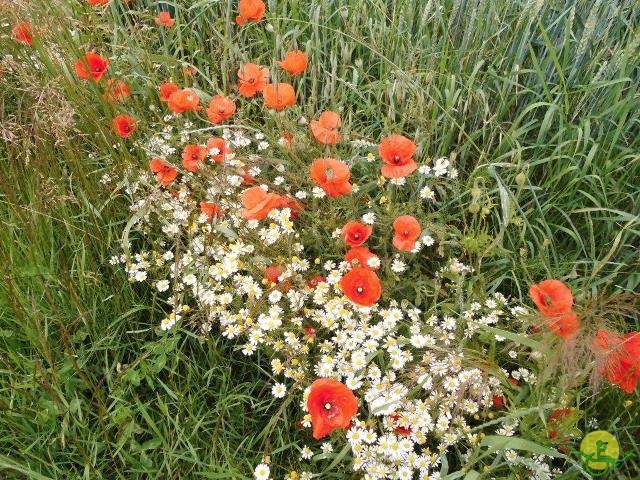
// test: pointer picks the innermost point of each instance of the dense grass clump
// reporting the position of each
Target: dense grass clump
(537, 104)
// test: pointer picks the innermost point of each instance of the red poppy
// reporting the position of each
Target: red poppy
(252, 10)
(360, 256)
(184, 100)
(566, 325)
(279, 95)
(332, 176)
(166, 90)
(618, 358)
(355, 234)
(315, 280)
(361, 286)
(325, 129)
(552, 297)
(498, 401)
(220, 109)
(258, 203)
(192, 155)
(116, 91)
(331, 405)
(211, 210)
(251, 79)
(124, 125)
(272, 273)
(92, 66)
(247, 178)
(294, 62)
(164, 19)
(397, 153)
(165, 173)
(399, 429)
(22, 33)
(98, 2)
(218, 145)
(407, 230)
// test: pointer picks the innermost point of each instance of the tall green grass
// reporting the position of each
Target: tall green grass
(537, 102)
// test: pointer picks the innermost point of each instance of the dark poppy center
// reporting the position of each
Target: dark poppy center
(548, 301)
(252, 81)
(396, 159)
(360, 290)
(356, 236)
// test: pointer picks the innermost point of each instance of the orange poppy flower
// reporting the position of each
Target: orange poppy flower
(272, 273)
(250, 10)
(618, 358)
(331, 405)
(332, 176)
(164, 19)
(124, 125)
(251, 79)
(362, 286)
(184, 100)
(325, 129)
(258, 203)
(219, 145)
(96, 3)
(407, 230)
(360, 256)
(166, 90)
(211, 210)
(116, 91)
(192, 155)
(220, 109)
(279, 95)
(355, 234)
(22, 33)
(165, 173)
(565, 325)
(294, 62)
(397, 153)
(400, 429)
(92, 66)
(552, 297)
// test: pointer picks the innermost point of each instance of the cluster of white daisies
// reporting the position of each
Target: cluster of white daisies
(414, 372)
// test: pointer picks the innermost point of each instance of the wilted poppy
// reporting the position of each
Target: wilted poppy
(192, 155)
(220, 109)
(184, 100)
(407, 230)
(211, 210)
(252, 10)
(22, 33)
(360, 256)
(272, 274)
(166, 90)
(251, 79)
(331, 405)
(258, 203)
(116, 91)
(362, 286)
(279, 95)
(315, 280)
(165, 173)
(164, 19)
(92, 66)
(124, 125)
(355, 234)
(332, 176)
(294, 62)
(618, 358)
(218, 150)
(398, 427)
(397, 153)
(325, 129)
(552, 297)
